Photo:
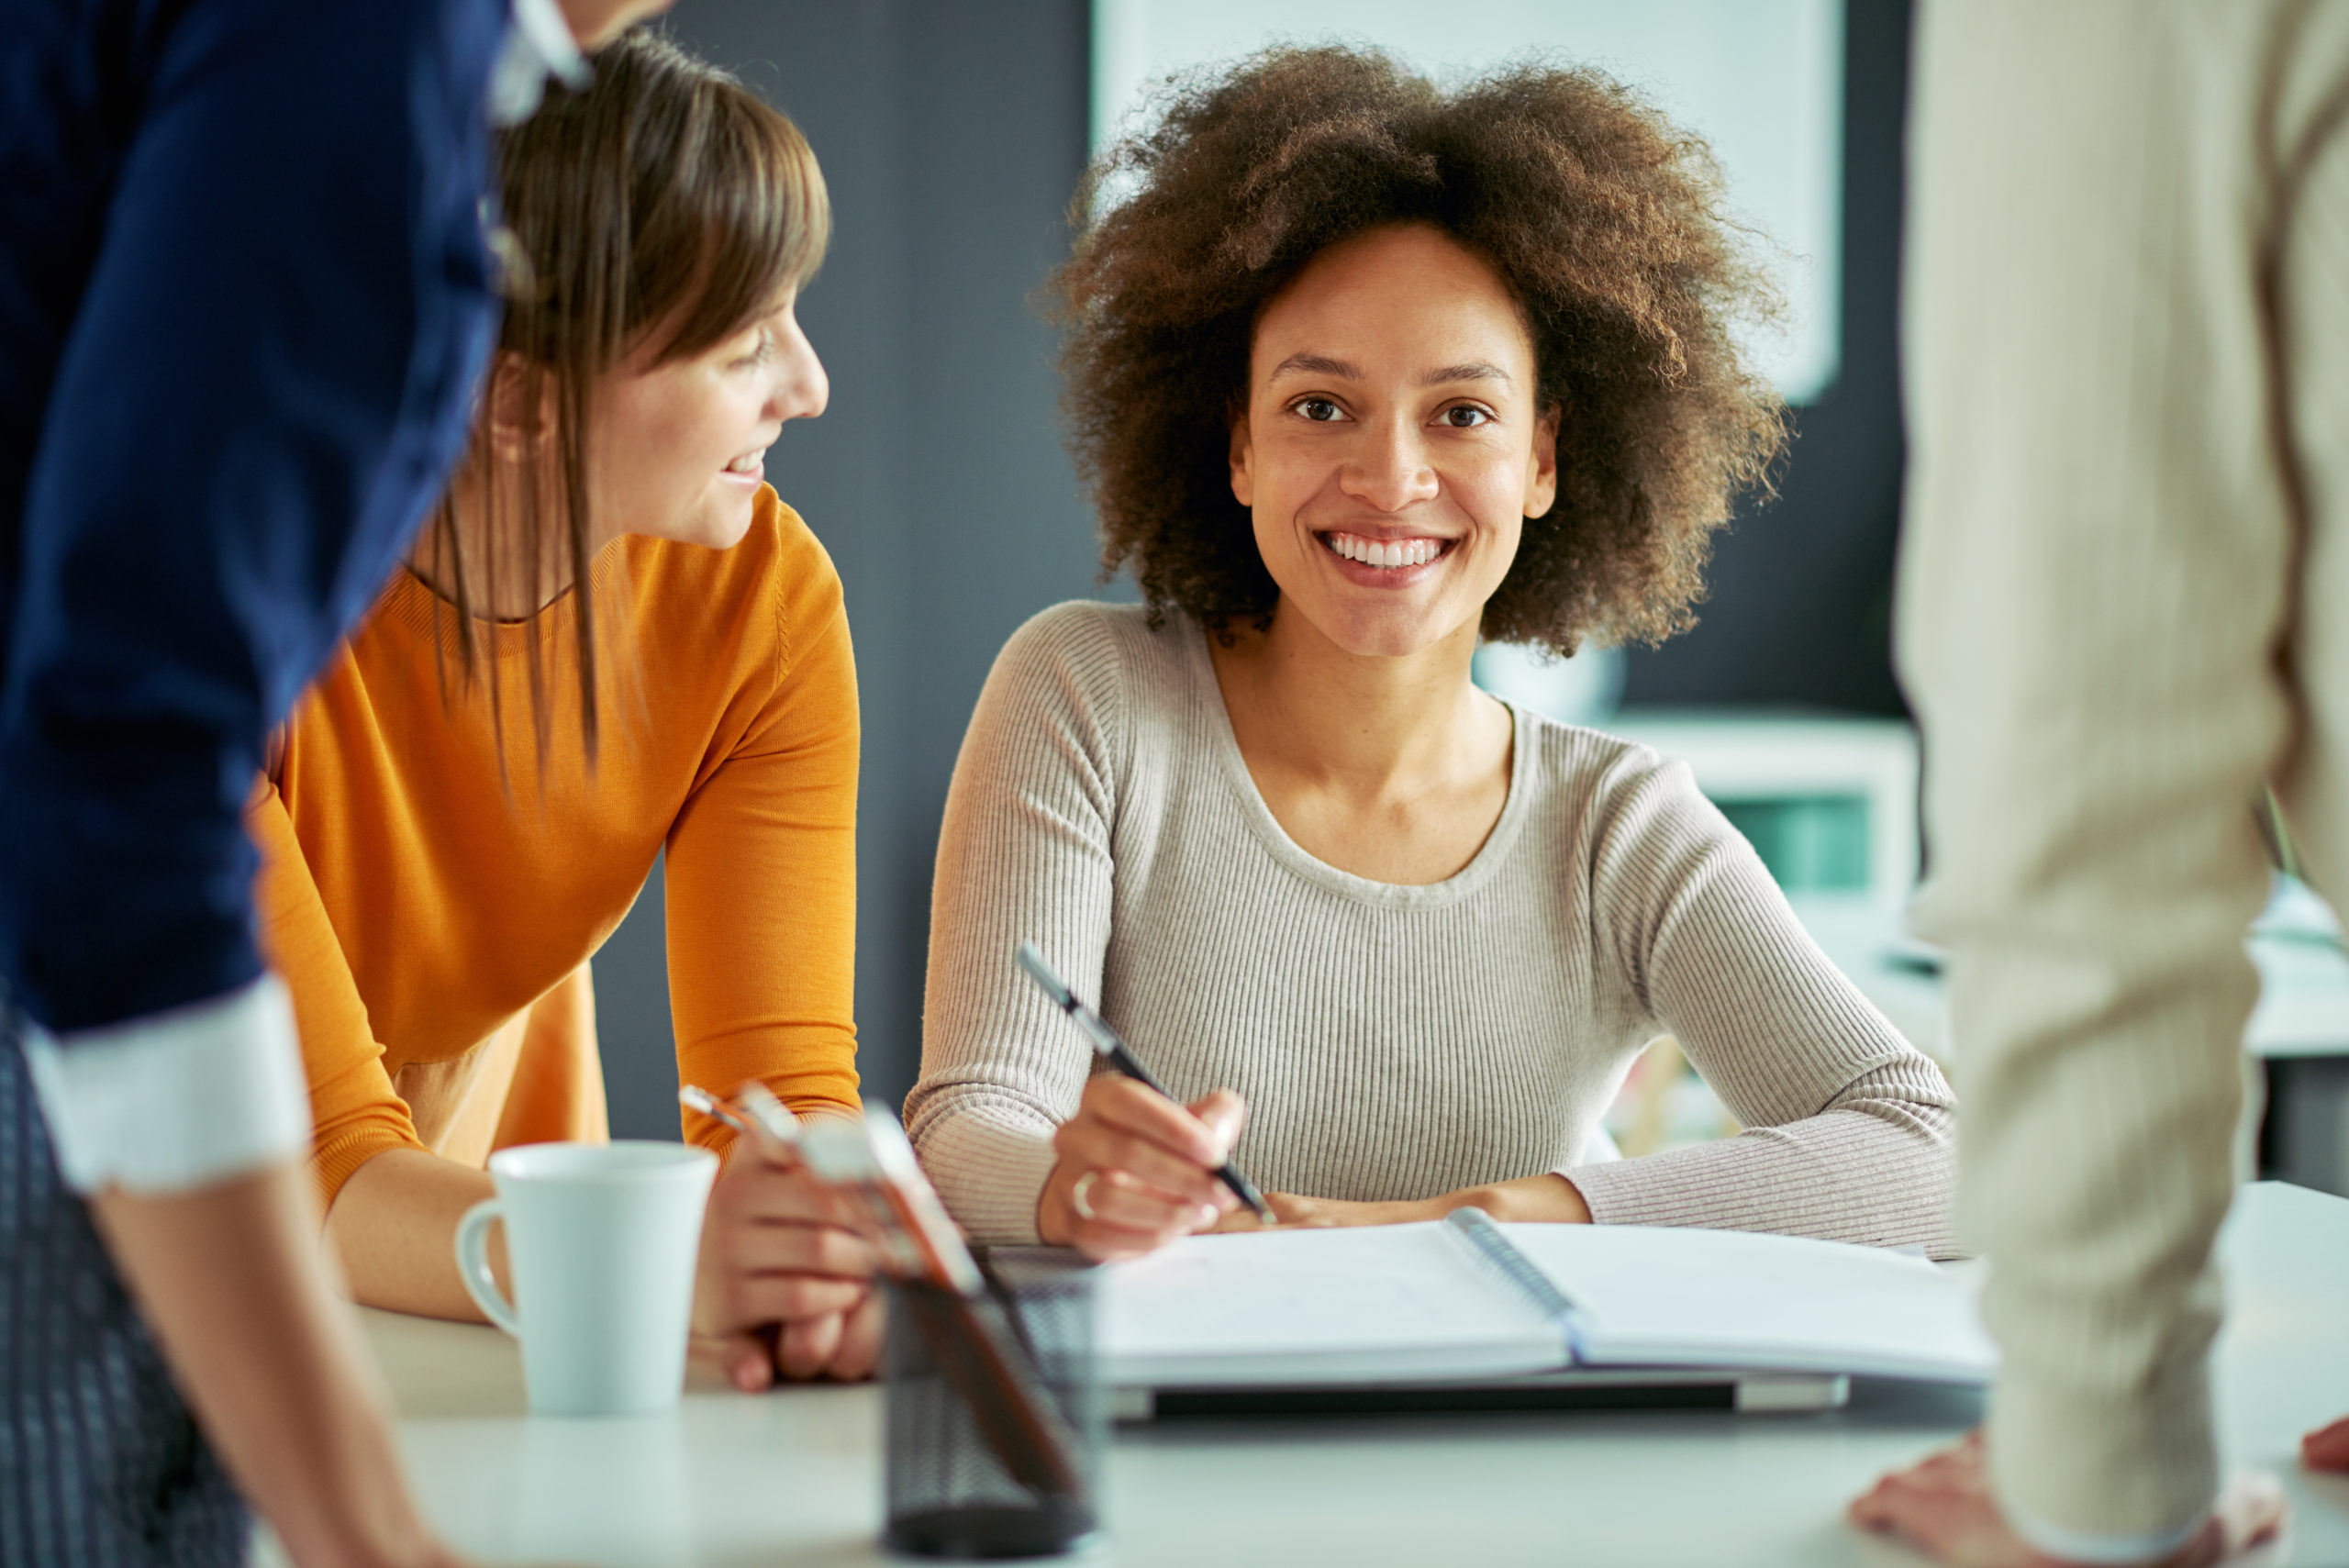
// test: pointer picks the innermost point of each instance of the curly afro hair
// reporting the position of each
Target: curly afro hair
(1601, 219)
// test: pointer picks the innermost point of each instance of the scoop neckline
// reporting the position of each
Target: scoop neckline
(420, 609)
(1481, 868)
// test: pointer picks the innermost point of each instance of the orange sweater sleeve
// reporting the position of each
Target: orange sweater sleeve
(761, 879)
(358, 1113)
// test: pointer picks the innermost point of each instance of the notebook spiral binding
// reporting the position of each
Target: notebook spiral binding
(1485, 1238)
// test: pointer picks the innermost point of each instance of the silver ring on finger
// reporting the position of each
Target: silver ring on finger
(1079, 1195)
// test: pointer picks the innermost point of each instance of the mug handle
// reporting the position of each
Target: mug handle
(473, 1265)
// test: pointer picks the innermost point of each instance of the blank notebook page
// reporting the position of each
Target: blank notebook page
(1401, 1301)
(1672, 1297)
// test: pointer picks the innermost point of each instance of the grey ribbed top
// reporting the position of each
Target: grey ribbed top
(1391, 1042)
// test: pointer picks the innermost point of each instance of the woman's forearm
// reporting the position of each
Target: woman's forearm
(231, 1279)
(395, 1226)
(1550, 1199)
(1878, 1170)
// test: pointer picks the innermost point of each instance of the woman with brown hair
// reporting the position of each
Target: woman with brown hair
(612, 641)
(1360, 372)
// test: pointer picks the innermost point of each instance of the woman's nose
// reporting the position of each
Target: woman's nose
(1391, 471)
(802, 390)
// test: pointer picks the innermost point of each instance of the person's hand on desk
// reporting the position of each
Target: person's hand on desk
(785, 1284)
(1550, 1200)
(1136, 1170)
(1942, 1506)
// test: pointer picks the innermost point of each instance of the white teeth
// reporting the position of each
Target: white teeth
(749, 463)
(1387, 553)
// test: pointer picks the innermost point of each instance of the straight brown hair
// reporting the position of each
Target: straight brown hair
(663, 196)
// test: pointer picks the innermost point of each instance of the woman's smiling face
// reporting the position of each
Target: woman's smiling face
(1393, 444)
(677, 447)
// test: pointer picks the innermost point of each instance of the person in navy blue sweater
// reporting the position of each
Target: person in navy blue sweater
(244, 295)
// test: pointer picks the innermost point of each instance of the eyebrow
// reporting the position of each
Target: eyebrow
(1317, 364)
(1475, 370)
(1346, 370)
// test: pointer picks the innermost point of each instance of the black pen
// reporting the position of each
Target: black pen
(1104, 1041)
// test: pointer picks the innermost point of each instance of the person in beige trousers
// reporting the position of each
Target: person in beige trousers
(2124, 609)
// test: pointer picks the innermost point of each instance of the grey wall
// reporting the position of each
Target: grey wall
(952, 133)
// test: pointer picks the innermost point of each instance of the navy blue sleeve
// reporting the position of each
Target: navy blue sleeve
(266, 378)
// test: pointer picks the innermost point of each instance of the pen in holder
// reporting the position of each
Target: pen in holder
(993, 1429)
(973, 1471)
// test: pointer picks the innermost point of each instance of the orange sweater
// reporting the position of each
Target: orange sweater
(433, 914)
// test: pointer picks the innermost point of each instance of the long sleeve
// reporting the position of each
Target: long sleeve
(762, 870)
(1023, 855)
(1849, 1130)
(356, 1112)
(263, 379)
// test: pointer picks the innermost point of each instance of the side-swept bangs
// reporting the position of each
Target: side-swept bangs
(733, 213)
(664, 197)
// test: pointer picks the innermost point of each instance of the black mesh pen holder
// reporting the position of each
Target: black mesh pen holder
(993, 1429)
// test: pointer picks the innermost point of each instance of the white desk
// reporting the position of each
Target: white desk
(794, 1476)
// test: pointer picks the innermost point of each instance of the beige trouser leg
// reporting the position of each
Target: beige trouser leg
(2118, 469)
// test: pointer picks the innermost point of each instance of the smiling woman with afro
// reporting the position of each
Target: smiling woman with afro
(1602, 220)
(1361, 371)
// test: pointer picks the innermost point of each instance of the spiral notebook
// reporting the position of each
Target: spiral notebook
(1465, 1301)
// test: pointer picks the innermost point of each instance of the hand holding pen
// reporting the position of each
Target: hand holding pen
(870, 1166)
(1136, 1170)
(785, 1286)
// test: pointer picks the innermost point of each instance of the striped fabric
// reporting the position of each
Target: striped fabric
(1391, 1042)
(100, 1464)
(2121, 611)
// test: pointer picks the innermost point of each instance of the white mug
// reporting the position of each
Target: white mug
(601, 1239)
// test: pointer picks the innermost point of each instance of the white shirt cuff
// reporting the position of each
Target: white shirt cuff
(537, 46)
(2080, 1546)
(177, 1099)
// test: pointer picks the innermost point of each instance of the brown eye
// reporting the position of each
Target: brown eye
(1465, 416)
(1320, 410)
